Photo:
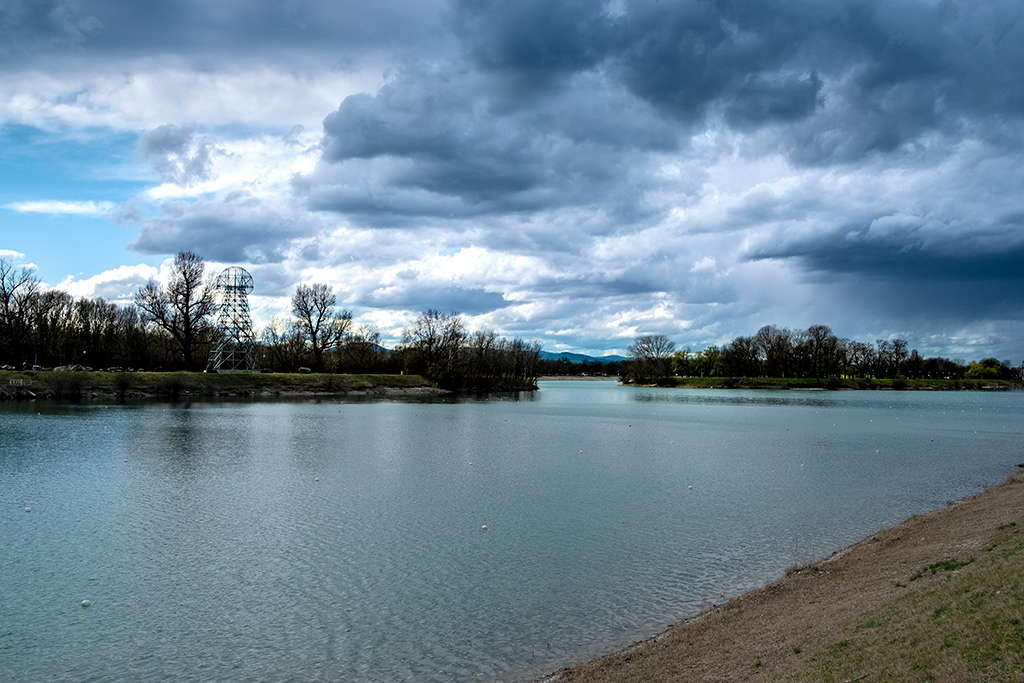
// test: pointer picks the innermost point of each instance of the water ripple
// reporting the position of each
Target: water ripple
(344, 541)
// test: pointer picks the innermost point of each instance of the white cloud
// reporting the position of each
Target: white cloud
(63, 207)
(118, 285)
(170, 90)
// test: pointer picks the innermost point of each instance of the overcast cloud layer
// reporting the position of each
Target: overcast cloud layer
(569, 171)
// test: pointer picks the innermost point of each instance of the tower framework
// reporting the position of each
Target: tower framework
(234, 348)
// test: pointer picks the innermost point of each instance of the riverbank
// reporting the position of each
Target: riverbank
(814, 384)
(860, 384)
(70, 385)
(938, 598)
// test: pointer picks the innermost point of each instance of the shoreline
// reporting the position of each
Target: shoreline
(831, 619)
(175, 386)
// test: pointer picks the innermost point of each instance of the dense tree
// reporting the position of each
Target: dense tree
(861, 358)
(515, 363)
(323, 325)
(825, 352)
(990, 368)
(53, 334)
(740, 358)
(681, 362)
(775, 346)
(914, 367)
(481, 356)
(708, 363)
(132, 344)
(182, 308)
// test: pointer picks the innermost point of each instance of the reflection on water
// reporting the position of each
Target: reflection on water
(344, 540)
(736, 397)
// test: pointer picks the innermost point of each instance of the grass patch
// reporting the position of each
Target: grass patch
(944, 566)
(967, 626)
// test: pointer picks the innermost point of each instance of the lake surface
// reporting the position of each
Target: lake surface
(331, 540)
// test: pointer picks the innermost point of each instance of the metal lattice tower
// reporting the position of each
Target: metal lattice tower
(234, 349)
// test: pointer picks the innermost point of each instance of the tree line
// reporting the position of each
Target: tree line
(812, 353)
(171, 327)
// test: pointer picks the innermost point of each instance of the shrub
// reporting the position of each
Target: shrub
(66, 384)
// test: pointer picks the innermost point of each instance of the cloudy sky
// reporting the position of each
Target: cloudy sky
(572, 171)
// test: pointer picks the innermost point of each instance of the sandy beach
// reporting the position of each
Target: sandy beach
(938, 598)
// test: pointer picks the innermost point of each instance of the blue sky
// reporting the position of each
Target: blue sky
(571, 171)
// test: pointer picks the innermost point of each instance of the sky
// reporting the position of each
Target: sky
(574, 172)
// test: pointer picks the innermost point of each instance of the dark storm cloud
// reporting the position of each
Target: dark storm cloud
(819, 83)
(441, 143)
(914, 249)
(829, 81)
(533, 42)
(227, 28)
(28, 27)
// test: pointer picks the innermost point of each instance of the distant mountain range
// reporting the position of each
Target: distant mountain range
(580, 358)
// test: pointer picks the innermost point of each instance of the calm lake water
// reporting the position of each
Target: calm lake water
(344, 541)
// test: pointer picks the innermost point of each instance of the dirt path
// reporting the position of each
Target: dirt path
(822, 622)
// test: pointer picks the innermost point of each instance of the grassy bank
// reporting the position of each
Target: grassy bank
(73, 385)
(937, 598)
(898, 384)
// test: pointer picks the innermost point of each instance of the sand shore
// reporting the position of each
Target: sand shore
(939, 597)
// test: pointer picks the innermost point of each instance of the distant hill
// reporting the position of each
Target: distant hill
(580, 358)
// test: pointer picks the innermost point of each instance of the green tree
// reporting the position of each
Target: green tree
(681, 362)
(982, 371)
(707, 363)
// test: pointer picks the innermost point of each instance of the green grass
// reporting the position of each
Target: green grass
(945, 566)
(962, 620)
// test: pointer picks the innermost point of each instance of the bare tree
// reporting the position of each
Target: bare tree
(18, 291)
(825, 351)
(652, 357)
(183, 307)
(776, 347)
(862, 358)
(435, 340)
(322, 324)
(284, 345)
(363, 350)
(741, 357)
(899, 356)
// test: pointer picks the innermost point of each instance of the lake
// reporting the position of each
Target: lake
(444, 539)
